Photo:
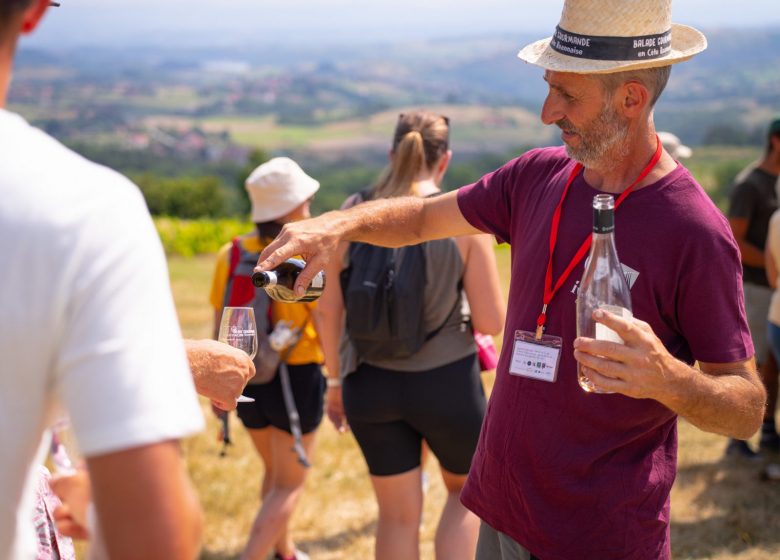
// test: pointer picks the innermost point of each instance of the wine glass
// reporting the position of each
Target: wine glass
(237, 328)
(61, 441)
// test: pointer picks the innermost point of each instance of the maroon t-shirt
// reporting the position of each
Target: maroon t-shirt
(570, 474)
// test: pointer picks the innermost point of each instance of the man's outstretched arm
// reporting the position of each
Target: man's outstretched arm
(392, 222)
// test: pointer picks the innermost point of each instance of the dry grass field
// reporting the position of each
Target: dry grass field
(720, 510)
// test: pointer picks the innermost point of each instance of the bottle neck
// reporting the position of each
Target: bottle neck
(603, 238)
(265, 279)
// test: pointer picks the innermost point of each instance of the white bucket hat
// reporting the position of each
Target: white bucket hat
(605, 36)
(277, 187)
(674, 146)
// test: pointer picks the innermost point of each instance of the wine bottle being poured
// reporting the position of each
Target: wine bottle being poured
(279, 283)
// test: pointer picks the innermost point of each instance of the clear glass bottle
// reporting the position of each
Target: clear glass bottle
(603, 284)
(278, 283)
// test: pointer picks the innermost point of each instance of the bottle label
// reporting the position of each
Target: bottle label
(605, 333)
(317, 282)
(603, 221)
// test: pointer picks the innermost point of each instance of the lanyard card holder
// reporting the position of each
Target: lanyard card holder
(536, 358)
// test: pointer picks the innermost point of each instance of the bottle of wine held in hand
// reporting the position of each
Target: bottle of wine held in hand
(279, 282)
(603, 284)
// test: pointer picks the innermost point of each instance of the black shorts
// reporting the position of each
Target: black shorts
(308, 387)
(391, 412)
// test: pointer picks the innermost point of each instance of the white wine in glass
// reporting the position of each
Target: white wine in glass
(238, 329)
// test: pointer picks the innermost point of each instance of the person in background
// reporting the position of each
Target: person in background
(280, 192)
(752, 203)
(674, 147)
(770, 165)
(561, 473)
(88, 327)
(435, 395)
(52, 544)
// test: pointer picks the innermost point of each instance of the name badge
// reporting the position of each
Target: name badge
(536, 359)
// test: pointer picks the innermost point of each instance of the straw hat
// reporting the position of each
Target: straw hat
(277, 187)
(604, 36)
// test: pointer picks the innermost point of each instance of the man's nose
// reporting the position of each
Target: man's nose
(552, 111)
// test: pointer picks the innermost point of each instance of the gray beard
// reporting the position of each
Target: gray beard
(604, 143)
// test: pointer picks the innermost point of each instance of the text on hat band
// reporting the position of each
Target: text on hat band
(645, 47)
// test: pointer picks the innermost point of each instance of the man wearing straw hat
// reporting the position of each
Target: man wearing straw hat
(559, 473)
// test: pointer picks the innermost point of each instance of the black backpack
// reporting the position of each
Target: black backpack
(384, 292)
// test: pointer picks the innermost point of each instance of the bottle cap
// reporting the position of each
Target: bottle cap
(603, 213)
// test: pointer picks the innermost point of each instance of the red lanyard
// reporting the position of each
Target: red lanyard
(549, 290)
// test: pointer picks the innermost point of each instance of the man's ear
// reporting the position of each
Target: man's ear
(634, 98)
(33, 15)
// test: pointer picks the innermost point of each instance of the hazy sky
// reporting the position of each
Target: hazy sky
(85, 22)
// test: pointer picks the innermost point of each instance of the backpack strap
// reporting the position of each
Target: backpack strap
(235, 257)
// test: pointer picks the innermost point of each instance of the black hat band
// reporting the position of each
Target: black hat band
(645, 47)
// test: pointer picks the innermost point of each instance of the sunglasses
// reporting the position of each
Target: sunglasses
(55, 4)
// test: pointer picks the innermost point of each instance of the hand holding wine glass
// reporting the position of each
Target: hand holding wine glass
(238, 329)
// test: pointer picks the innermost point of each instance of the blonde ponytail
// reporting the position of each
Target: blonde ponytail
(421, 139)
(408, 161)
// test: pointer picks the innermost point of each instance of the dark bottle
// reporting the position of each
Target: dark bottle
(278, 283)
(603, 284)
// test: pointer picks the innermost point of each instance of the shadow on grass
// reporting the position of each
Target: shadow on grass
(746, 511)
(332, 543)
(338, 541)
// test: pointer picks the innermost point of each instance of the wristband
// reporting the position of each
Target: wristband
(333, 382)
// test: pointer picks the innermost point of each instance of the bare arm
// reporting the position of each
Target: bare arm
(331, 315)
(770, 251)
(145, 505)
(751, 255)
(771, 268)
(480, 281)
(389, 223)
(727, 399)
(220, 372)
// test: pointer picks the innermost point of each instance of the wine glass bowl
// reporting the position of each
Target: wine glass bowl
(238, 329)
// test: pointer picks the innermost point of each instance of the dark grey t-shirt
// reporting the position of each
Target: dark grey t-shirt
(755, 200)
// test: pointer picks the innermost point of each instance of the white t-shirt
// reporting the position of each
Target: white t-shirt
(87, 321)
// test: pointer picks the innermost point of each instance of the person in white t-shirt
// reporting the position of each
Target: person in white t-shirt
(88, 326)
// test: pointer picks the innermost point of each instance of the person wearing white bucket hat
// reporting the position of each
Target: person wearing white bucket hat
(280, 192)
(278, 187)
(674, 146)
(560, 473)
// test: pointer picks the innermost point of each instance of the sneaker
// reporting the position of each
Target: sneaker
(740, 449)
(770, 443)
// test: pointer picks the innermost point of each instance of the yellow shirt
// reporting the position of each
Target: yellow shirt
(308, 349)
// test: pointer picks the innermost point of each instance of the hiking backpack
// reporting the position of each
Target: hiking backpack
(240, 292)
(384, 299)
